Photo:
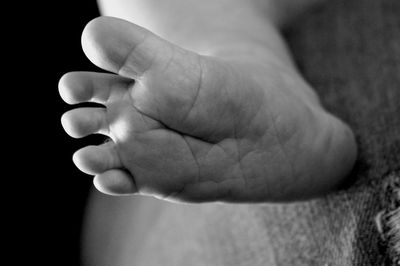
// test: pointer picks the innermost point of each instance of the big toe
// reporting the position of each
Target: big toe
(119, 46)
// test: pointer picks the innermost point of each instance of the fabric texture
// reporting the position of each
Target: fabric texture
(350, 52)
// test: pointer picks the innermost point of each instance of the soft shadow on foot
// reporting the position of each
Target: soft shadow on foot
(187, 127)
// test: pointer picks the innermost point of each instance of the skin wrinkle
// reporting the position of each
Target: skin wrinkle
(126, 86)
(132, 101)
(244, 126)
(248, 125)
(239, 157)
(213, 132)
(281, 145)
(109, 92)
(105, 95)
(262, 178)
(235, 158)
(224, 93)
(170, 60)
(114, 86)
(117, 156)
(217, 144)
(194, 157)
(144, 120)
(132, 174)
(198, 87)
(186, 186)
(128, 95)
(132, 51)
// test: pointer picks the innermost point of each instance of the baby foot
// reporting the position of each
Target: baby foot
(188, 127)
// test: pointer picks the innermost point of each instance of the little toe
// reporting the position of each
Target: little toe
(94, 160)
(78, 87)
(115, 182)
(81, 122)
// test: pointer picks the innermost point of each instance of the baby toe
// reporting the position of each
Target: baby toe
(115, 182)
(79, 87)
(81, 122)
(97, 159)
(73, 88)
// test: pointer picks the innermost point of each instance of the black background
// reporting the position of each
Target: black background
(49, 196)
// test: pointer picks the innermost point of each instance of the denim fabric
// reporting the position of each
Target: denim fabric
(349, 50)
